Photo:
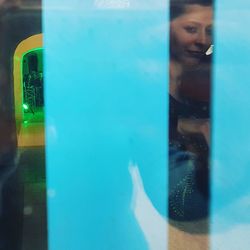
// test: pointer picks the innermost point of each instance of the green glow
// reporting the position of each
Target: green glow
(25, 106)
(31, 112)
(29, 51)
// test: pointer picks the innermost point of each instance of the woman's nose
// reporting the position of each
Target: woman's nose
(202, 39)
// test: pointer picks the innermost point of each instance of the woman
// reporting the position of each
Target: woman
(190, 39)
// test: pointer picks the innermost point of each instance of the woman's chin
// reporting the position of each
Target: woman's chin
(191, 62)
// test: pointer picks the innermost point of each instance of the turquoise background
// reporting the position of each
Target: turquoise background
(106, 105)
(230, 206)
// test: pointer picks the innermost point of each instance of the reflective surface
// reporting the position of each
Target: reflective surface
(104, 171)
(22, 157)
(106, 125)
(230, 149)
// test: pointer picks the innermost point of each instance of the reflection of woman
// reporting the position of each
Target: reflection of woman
(190, 38)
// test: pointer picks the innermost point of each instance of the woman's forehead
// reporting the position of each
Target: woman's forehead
(197, 13)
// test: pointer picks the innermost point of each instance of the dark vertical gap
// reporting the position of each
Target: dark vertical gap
(189, 123)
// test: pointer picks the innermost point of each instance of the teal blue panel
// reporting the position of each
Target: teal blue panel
(106, 124)
(230, 206)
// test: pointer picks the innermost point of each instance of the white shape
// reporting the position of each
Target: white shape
(51, 193)
(236, 238)
(152, 224)
(112, 4)
(210, 50)
(52, 132)
(28, 210)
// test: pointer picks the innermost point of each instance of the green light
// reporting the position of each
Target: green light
(25, 106)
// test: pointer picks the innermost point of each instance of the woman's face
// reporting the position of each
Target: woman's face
(190, 34)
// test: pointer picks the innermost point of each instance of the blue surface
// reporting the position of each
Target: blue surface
(230, 204)
(106, 105)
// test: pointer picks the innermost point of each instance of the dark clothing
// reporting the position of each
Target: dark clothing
(188, 166)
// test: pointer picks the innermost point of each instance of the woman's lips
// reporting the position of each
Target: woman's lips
(196, 54)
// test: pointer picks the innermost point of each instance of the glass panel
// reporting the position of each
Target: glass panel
(230, 218)
(106, 108)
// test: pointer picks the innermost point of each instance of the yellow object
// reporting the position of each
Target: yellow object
(28, 134)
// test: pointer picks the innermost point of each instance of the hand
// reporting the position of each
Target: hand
(194, 126)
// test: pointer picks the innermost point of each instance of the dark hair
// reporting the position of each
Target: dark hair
(177, 7)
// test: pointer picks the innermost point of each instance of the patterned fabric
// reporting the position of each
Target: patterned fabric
(188, 167)
(187, 201)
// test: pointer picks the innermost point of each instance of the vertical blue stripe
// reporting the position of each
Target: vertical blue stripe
(106, 110)
(230, 206)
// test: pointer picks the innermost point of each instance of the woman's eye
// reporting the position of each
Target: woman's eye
(209, 31)
(191, 29)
